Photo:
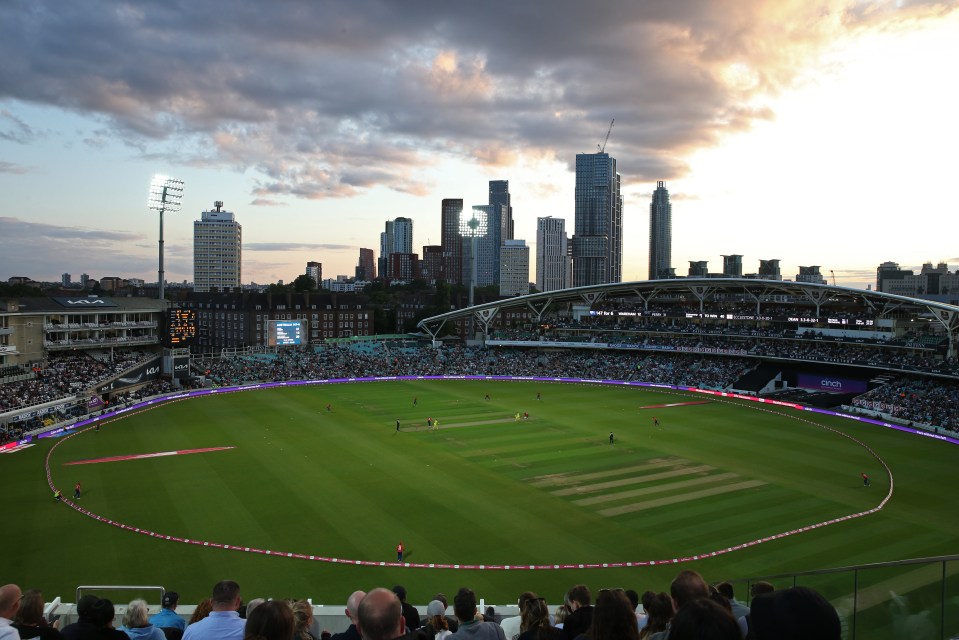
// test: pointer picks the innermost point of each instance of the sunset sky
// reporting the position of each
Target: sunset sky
(817, 132)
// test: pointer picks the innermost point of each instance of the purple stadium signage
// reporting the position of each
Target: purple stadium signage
(830, 383)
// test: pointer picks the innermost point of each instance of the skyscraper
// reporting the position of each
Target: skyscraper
(598, 235)
(660, 234)
(499, 197)
(398, 238)
(452, 240)
(552, 262)
(315, 270)
(217, 250)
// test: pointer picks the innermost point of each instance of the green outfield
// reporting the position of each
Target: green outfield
(483, 488)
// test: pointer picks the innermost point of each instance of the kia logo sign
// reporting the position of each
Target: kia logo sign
(86, 302)
(180, 367)
(153, 370)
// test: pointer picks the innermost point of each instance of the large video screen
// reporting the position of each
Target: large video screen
(286, 333)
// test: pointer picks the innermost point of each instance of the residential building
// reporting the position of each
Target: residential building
(217, 250)
(366, 266)
(769, 270)
(732, 266)
(810, 274)
(514, 268)
(660, 234)
(598, 225)
(698, 269)
(431, 267)
(315, 271)
(553, 267)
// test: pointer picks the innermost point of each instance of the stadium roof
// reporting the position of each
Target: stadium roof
(702, 290)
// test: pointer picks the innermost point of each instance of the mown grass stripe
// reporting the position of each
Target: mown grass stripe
(686, 497)
(652, 477)
(663, 488)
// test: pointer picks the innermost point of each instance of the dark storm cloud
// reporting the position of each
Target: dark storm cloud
(328, 99)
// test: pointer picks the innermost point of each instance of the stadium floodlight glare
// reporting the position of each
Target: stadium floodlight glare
(165, 195)
(474, 227)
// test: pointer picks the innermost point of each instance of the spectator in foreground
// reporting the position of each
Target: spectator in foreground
(436, 627)
(302, 620)
(580, 615)
(166, 617)
(535, 624)
(794, 614)
(202, 610)
(352, 605)
(511, 625)
(103, 613)
(84, 626)
(704, 619)
(9, 605)
(136, 623)
(410, 614)
(472, 628)
(224, 622)
(29, 621)
(613, 618)
(380, 616)
(271, 620)
(659, 612)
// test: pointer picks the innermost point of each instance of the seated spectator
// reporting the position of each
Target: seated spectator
(201, 611)
(136, 623)
(224, 622)
(103, 614)
(511, 625)
(794, 614)
(613, 618)
(380, 616)
(659, 612)
(271, 620)
(302, 620)
(535, 624)
(704, 619)
(410, 614)
(29, 621)
(471, 627)
(84, 626)
(352, 605)
(436, 627)
(580, 615)
(167, 617)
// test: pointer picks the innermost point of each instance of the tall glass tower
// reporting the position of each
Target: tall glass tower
(598, 225)
(660, 234)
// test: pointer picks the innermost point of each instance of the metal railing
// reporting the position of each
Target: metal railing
(915, 599)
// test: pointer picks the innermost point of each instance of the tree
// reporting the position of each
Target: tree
(304, 282)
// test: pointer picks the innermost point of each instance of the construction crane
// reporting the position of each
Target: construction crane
(602, 148)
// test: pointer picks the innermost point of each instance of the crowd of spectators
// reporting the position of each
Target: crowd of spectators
(64, 375)
(752, 342)
(342, 362)
(915, 400)
(691, 610)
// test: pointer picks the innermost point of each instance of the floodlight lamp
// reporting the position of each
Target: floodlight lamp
(165, 193)
(476, 225)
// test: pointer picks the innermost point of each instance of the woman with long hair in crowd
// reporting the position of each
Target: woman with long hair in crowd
(535, 623)
(659, 612)
(29, 621)
(613, 617)
(302, 620)
(201, 611)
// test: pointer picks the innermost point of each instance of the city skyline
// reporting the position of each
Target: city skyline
(810, 134)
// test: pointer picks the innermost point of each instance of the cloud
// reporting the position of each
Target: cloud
(15, 129)
(30, 247)
(11, 167)
(296, 246)
(328, 100)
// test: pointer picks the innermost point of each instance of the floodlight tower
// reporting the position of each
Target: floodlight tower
(165, 195)
(474, 227)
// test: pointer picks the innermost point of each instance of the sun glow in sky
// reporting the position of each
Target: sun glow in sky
(816, 134)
